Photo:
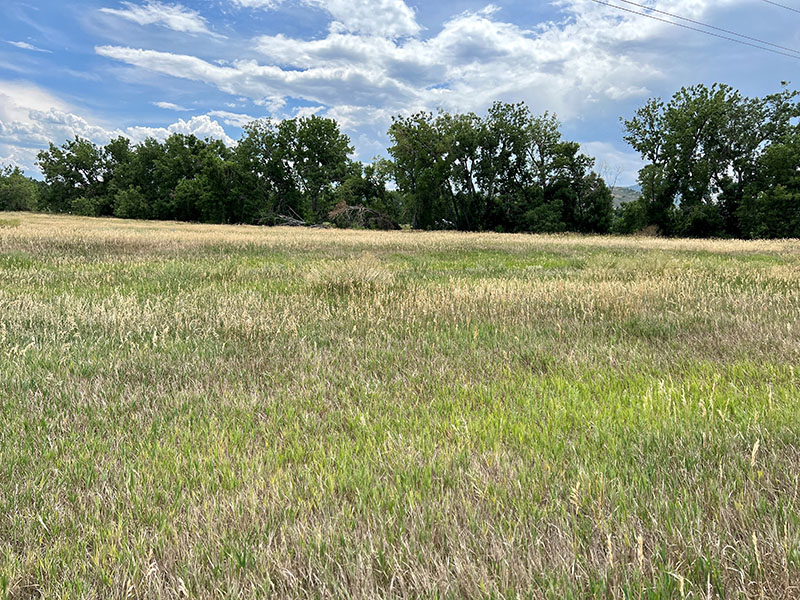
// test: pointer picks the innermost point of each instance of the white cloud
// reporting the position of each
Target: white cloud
(595, 56)
(27, 46)
(308, 111)
(388, 18)
(21, 139)
(231, 118)
(266, 4)
(170, 106)
(17, 98)
(474, 60)
(374, 62)
(351, 117)
(272, 103)
(201, 126)
(172, 16)
(248, 78)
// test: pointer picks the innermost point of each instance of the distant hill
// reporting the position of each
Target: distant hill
(624, 194)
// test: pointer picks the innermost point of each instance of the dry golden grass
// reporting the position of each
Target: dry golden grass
(206, 411)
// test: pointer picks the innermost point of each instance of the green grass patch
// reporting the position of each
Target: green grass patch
(201, 412)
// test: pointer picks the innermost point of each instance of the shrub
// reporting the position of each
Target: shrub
(131, 204)
(630, 217)
(87, 207)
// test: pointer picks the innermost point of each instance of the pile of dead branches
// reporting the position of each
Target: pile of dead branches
(295, 220)
(360, 216)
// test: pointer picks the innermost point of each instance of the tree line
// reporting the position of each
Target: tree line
(509, 171)
(717, 164)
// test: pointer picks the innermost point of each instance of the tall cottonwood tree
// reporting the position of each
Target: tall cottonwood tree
(772, 208)
(510, 170)
(702, 150)
(421, 167)
(74, 171)
(292, 166)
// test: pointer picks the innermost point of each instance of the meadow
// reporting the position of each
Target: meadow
(197, 411)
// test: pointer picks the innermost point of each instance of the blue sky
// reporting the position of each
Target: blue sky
(102, 68)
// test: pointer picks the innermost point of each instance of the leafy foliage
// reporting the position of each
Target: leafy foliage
(509, 171)
(17, 192)
(712, 163)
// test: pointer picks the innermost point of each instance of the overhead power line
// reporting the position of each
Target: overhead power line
(717, 35)
(714, 27)
(782, 6)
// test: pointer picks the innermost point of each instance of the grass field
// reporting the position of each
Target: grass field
(234, 412)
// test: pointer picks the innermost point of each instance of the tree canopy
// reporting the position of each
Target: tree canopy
(17, 192)
(713, 160)
(508, 171)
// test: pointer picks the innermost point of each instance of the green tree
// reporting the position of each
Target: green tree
(772, 210)
(630, 217)
(291, 166)
(702, 150)
(319, 161)
(367, 185)
(586, 202)
(462, 137)
(421, 168)
(17, 192)
(502, 172)
(264, 185)
(137, 184)
(183, 178)
(76, 173)
(509, 171)
(130, 203)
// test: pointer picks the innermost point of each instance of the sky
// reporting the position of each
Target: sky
(103, 68)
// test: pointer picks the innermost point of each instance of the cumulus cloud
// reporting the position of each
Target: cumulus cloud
(268, 4)
(594, 56)
(23, 135)
(374, 62)
(273, 104)
(231, 118)
(17, 98)
(203, 126)
(248, 78)
(308, 111)
(172, 16)
(388, 18)
(473, 60)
